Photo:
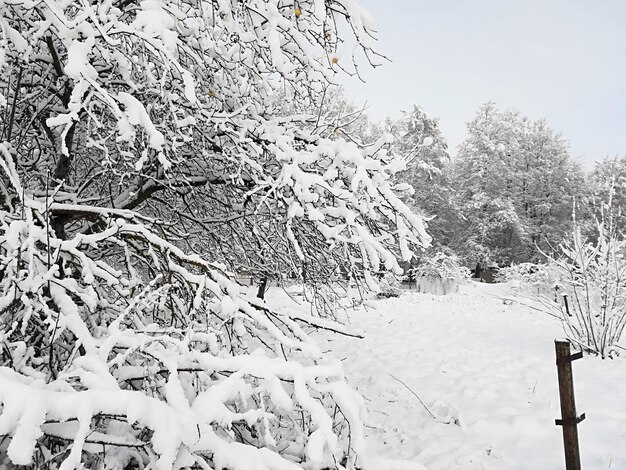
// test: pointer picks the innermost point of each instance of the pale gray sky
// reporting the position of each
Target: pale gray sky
(564, 60)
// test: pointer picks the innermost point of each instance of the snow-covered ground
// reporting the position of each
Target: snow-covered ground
(486, 371)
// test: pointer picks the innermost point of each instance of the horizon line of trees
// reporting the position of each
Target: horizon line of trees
(512, 193)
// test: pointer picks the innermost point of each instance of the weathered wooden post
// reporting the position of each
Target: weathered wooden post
(569, 421)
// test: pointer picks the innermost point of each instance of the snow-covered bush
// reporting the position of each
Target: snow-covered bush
(440, 265)
(530, 278)
(152, 357)
(140, 159)
(439, 273)
(592, 301)
(389, 286)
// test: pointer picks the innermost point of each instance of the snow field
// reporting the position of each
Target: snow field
(486, 371)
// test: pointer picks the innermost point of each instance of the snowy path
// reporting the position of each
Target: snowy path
(488, 367)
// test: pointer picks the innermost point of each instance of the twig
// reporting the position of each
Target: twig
(14, 106)
(415, 395)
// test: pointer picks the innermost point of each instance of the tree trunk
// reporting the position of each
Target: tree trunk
(262, 288)
(477, 271)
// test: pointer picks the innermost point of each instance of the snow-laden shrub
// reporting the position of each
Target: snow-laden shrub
(592, 300)
(438, 274)
(389, 286)
(440, 265)
(151, 358)
(530, 278)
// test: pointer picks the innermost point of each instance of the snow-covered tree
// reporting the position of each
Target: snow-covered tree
(140, 150)
(420, 141)
(607, 184)
(418, 138)
(516, 187)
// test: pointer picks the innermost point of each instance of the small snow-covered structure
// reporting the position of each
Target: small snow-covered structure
(437, 285)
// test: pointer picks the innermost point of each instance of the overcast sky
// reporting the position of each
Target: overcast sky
(564, 60)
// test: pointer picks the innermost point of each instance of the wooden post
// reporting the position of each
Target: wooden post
(569, 421)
